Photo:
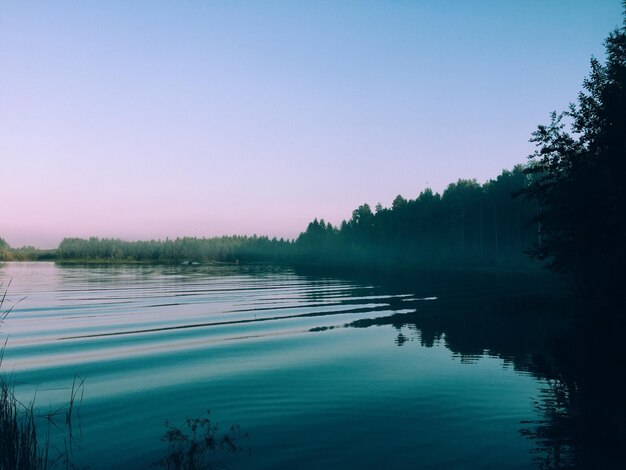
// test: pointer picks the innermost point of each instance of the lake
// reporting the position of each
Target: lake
(320, 371)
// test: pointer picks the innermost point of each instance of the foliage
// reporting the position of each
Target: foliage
(201, 446)
(468, 224)
(4, 250)
(25, 253)
(18, 437)
(20, 446)
(577, 172)
(185, 249)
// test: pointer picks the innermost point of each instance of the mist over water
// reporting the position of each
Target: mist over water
(321, 372)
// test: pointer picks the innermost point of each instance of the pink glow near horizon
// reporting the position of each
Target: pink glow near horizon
(157, 120)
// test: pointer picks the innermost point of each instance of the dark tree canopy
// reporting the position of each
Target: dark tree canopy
(578, 178)
(469, 224)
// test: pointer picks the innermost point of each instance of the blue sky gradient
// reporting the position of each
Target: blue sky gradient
(153, 119)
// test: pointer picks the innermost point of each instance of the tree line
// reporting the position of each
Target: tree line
(186, 249)
(24, 253)
(469, 223)
(569, 211)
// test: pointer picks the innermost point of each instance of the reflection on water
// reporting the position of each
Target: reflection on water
(321, 372)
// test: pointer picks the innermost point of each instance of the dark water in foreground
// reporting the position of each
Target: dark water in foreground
(321, 372)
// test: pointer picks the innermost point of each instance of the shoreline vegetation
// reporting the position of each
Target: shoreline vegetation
(569, 215)
(23, 444)
(468, 226)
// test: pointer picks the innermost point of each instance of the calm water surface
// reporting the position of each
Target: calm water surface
(320, 372)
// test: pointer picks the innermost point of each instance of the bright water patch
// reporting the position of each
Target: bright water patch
(310, 367)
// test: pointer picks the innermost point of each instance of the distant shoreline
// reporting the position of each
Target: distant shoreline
(410, 269)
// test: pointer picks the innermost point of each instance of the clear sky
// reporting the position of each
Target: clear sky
(147, 119)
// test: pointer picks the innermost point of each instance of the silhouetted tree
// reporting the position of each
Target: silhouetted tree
(578, 178)
(470, 224)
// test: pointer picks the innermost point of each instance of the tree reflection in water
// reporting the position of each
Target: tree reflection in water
(530, 325)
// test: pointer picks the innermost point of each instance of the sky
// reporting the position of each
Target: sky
(154, 119)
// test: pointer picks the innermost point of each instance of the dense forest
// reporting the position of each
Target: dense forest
(25, 253)
(578, 185)
(566, 207)
(186, 249)
(469, 224)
